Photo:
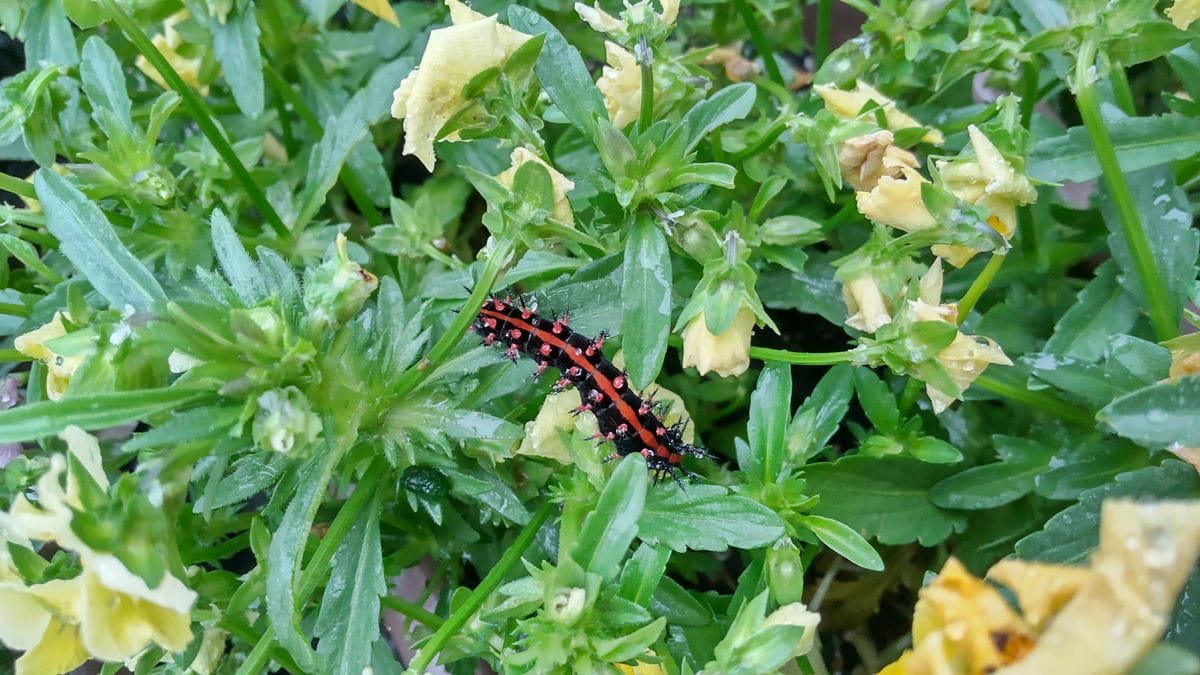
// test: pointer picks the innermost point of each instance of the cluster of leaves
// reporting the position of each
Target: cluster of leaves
(247, 268)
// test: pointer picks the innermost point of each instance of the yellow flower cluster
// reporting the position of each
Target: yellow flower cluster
(107, 612)
(1098, 619)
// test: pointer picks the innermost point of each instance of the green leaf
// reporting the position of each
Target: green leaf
(1144, 41)
(325, 163)
(46, 418)
(89, 241)
(1103, 309)
(1160, 415)
(104, 82)
(997, 484)
(645, 301)
(235, 44)
(48, 36)
(642, 572)
(728, 104)
(561, 71)
(1088, 465)
(348, 623)
(707, 518)
(1166, 216)
(770, 411)
(630, 645)
(886, 498)
(679, 606)
(877, 400)
(818, 417)
(1073, 533)
(239, 269)
(286, 552)
(1167, 659)
(1140, 142)
(610, 528)
(844, 541)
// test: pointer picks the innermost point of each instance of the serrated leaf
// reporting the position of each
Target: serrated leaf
(610, 528)
(235, 44)
(707, 518)
(1158, 416)
(886, 498)
(993, 485)
(1140, 142)
(844, 541)
(348, 623)
(89, 241)
(1103, 309)
(243, 275)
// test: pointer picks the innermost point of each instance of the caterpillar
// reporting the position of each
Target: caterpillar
(631, 422)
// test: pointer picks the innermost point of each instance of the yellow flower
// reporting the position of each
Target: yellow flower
(432, 92)
(562, 185)
(600, 20)
(847, 105)
(965, 358)
(865, 159)
(987, 180)
(797, 614)
(544, 435)
(641, 668)
(727, 354)
(1183, 12)
(866, 307)
(896, 201)
(1099, 619)
(380, 8)
(621, 84)
(59, 368)
(106, 612)
(737, 67)
(603, 22)
(168, 43)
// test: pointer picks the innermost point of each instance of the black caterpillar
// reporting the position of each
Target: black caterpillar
(632, 423)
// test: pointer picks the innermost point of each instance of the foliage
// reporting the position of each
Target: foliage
(231, 269)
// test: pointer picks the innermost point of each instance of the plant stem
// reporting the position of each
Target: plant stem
(10, 355)
(804, 358)
(17, 186)
(1036, 399)
(318, 565)
(824, 22)
(760, 41)
(981, 283)
(764, 142)
(200, 114)
(14, 309)
(413, 611)
(351, 181)
(1154, 288)
(490, 583)
(492, 269)
(645, 60)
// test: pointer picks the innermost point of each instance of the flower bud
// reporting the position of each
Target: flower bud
(335, 291)
(567, 605)
(727, 354)
(284, 419)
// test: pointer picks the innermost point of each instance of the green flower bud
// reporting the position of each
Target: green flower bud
(785, 572)
(567, 605)
(337, 289)
(285, 420)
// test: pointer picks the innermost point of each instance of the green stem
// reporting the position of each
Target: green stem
(1122, 94)
(764, 142)
(804, 358)
(824, 22)
(349, 177)
(243, 631)
(318, 565)
(760, 41)
(10, 355)
(413, 611)
(497, 258)
(204, 120)
(981, 283)
(1040, 400)
(1154, 287)
(14, 309)
(1029, 92)
(17, 186)
(646, 62)
(490, 583)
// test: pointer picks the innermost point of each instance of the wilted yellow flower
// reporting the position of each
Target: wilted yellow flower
(600, 20)
(847, 105)
(621, 84)
(865, 159)
(866, 307)
(603, 22)
(106, 612)
(543, 436)
(727, 354)
(432, 92)
(737, 67)
(797, 614)
(1099, 619)
(641, 668)
(168, 43)
(380, 8)
(896, 201)
(59, 368)
(1185, 357)
(965, 358)
(1183, 12)
(562, 185)
(987, 180)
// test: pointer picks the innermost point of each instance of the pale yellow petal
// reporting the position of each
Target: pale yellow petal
(59, 651)
(847, 105)
(897, 202)
(600, 20)
(866, 308)
(561, 184)
(1183, 13)
(1002, 178)
(727, 354)
(621, 84)
(116, 625)
(380, 8)
(543, 435)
